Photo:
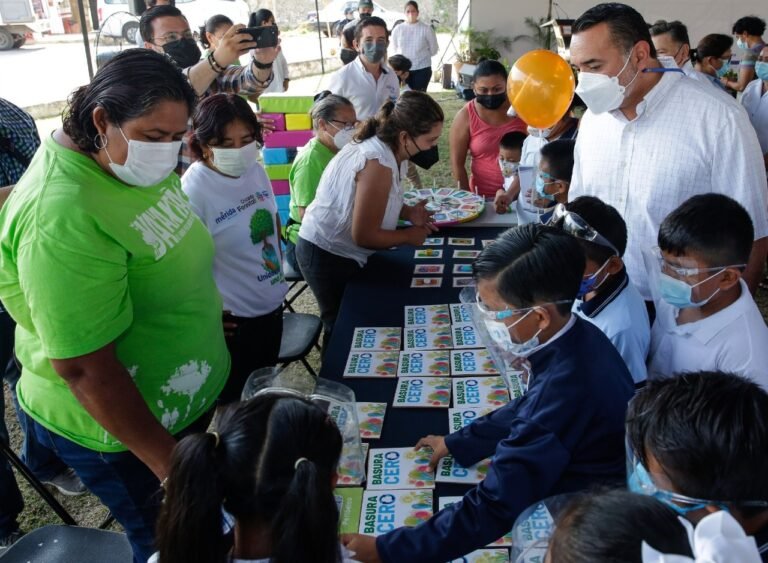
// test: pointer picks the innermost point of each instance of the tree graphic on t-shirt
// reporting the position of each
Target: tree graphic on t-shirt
(262, 227)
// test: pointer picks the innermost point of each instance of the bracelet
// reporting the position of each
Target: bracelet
(262, 66)
(216, 67)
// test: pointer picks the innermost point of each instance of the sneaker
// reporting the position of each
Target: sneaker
(67, 483)
(11, 539)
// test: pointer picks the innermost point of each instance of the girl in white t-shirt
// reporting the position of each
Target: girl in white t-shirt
(360, 199)
(271, 464)
(230, 192)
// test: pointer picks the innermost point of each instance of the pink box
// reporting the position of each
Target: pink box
(277, 118)
(281, 187)
(287, 139)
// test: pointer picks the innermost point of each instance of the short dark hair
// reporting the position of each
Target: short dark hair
(713, 225)
(559, 154)
(533, 264)
(708, 430)
(489, 67)
(676, 29)
(400, 63)
(512, 140)
(606, 221)
(127, 87)
(163, 11)
(258, 17)
(368, 22)
(626, 24)
(412, 3)
(610, 527)
(214, 114)
(712, 45)
(751, 24)
(211, 25)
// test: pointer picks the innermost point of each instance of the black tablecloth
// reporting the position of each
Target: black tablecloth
(378, 298)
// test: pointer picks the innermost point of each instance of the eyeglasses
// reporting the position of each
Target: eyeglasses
(682, 272)
(344, 124)
(172, 36)
(573, 224)
(506, 313)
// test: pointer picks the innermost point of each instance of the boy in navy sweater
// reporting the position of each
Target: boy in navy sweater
(565, 434)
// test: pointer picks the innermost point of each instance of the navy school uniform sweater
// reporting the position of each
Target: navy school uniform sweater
(565, 434)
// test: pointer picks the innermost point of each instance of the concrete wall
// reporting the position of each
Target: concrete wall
(506, 17)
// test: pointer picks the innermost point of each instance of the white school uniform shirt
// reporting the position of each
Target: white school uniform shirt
(358, 85)
(280, 73)
(247, 264)
(415, 41)
(756, 104)
(622, 316)
(327, 221)
(687, 140)
(734, 340)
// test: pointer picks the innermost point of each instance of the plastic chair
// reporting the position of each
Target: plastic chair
(295, 281)
(65, 544)
(301, 332)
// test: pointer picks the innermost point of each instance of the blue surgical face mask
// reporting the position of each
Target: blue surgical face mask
(723, 70)
(761, 70)
(679, 294)
(639, 481)
(589, 283)
(540, 183)
(499, 334)
(741, 44)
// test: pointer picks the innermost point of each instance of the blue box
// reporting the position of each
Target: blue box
(278, 155)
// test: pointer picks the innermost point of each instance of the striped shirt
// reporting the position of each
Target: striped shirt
(415, 41)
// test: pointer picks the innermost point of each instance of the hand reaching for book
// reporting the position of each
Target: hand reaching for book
(438, 447)
(363, 548)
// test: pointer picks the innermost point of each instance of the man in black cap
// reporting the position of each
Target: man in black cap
(348, 52)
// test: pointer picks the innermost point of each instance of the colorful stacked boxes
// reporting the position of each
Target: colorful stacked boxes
(293, 129)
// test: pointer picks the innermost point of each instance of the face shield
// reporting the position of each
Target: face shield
(333, 398)
(534, 528)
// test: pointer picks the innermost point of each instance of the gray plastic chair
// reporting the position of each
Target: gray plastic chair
(301, 331)
(69, 544)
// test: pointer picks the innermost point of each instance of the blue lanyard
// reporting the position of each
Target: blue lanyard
(664, 69)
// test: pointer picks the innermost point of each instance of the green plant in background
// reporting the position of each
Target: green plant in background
(475, 45)
(543, 36)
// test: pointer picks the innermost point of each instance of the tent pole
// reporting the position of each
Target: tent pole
(84, 30)
(319, 36)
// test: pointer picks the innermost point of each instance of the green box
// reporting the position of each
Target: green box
(350, 504)
(278, 171)
(274, 102)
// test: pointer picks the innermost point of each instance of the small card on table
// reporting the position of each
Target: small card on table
(470, 254)
(428, 253)
(472, 362)
(426, 282)
(372, 364)
(459, 241)
(433, 392)
(477, 392)
(463, 282)
(464, 416)
(425, 364)
(450, 471)
(428, 338)
(399, 468)
(370, 417)
(465, 269)
(426, 315)
(376, 339)
(429, 269)
(460, 313)
(465, 336)
(386, 510)
(434, 241)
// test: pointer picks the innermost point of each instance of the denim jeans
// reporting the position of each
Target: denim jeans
(327, 275)
(121, 481)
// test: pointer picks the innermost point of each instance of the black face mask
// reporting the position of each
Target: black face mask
(184, 52)
(491, 101)
(424, 158)
(364, 16)
(347, 55)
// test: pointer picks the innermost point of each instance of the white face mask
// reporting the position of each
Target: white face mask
(601, 92)
(343, 136)
(540, 133)
(234, 162)
(499, 334)
(147, 163)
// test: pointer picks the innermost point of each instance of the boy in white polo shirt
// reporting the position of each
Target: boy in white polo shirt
(607, 298)
(706, 317)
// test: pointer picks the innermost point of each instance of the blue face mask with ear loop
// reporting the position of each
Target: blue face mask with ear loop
(540, 184)
(723, 70)
(679, 294)
(761, 70)
(589, 283)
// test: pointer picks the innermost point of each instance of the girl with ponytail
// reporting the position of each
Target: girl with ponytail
(359, 199)
(271, 465)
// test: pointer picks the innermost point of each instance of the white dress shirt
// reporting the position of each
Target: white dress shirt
(734, 340)
(756, 103)
(366, 93)
(327, 222)
(415, 41)
(687, 140)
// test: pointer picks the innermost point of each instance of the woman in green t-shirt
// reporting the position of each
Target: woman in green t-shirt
(107, 272)
(334, 120)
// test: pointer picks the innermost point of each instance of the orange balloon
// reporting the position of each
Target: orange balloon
(540, 87)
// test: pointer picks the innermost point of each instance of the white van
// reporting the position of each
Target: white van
(115, 20)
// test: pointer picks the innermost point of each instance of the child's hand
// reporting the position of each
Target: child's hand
(363, 548)
(438, 447)
(502, 201)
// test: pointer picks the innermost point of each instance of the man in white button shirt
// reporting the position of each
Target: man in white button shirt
(367, 82)
(651, 138)
(417, 42)
(755, 101)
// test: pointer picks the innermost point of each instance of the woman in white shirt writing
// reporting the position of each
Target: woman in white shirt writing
(231, 194)
(360, 199)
